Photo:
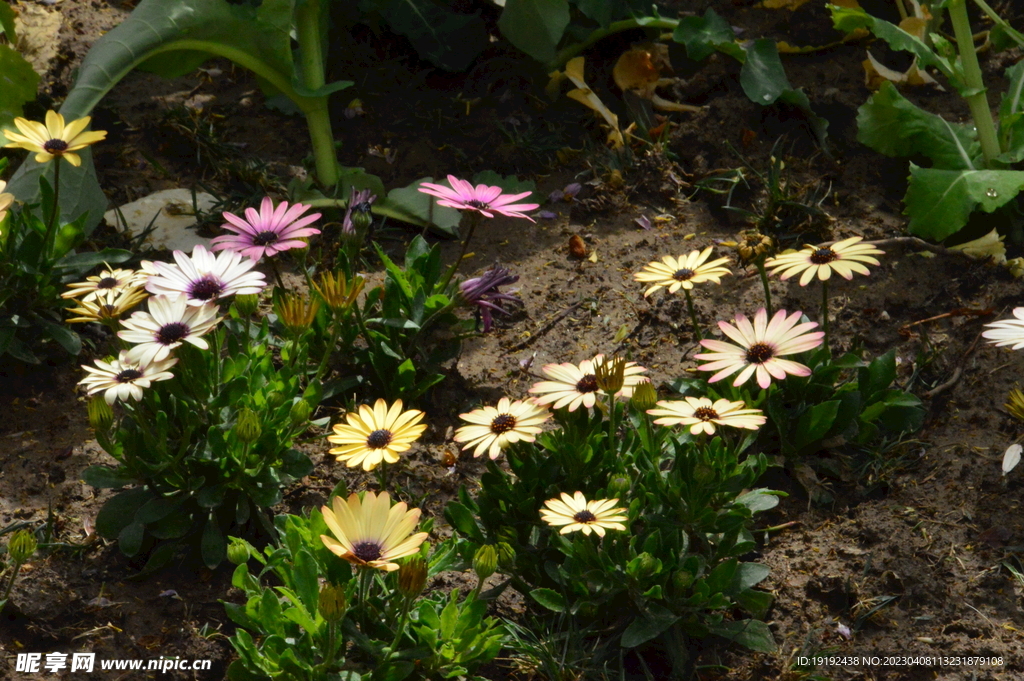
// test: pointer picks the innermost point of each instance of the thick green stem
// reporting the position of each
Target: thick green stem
(335, 332)
(308, 17)
(10, 585)
(474, 219)
(693, 316)
(978, 102)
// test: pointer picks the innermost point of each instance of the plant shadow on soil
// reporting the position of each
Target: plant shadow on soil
(909, 553)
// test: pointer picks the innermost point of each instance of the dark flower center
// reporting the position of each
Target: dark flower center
(587, 384)
(207, 288)
(379, 439)
(503, 423)
(759, 353)
(362, 207)
(172, 333)
(128, 375)
(266, 237)
(55, 146)
(823, 256)
(366, 550)
(683, 274)
(584, 516)
(705, 414)
(476, 204)
(106, 282)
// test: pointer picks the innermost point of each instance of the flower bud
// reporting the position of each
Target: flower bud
(247, 427)
(644, 396)
(412, 577)
(275, 399)
(21, 546)
(508, 535)
(618, 487)
(644, 565)
(506, 555)
(1015, 404)
(682, 580)
(296, 313)
(485, 562)
(338, 292)
(331, 603)
(100, 414)
(246, 305)
(238, 552)
(611, 375)
(300, 412)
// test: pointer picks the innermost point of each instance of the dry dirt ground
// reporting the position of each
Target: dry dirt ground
(912, 553)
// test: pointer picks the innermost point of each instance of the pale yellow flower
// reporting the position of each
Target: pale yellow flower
(682, 272)
(843, 257)
(575, 513)
(371, 532)
(54, 139)
(702, 415)
(492, 429)
(376, 435)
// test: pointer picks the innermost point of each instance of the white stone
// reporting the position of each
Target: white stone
(173, 229)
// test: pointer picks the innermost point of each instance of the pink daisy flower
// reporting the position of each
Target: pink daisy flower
(483, 199)
(267, 232)
(204, 277)
(760, 348)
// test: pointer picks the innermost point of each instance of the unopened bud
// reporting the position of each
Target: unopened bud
(682, 580)
(506, 555)
(644, 396)
(275, 399)
(508, 535)
(412, 577)
(331, 603)
(644, 565)
(247, 427)
(21, 546)
(100, 414)
(238, 552)
(611, 375)
(618, 487)
(300, 412)
(485, 562)
(246, 305)
(1015, 404)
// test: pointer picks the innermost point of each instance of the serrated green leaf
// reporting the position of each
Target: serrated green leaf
(535, 26)
(939, 202)
(700, 35)
(448, 39)
(763, 77)
(892, 125)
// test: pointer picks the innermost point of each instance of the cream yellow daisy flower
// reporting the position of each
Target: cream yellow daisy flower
(376, 435)
(109, 280)
(492, 429)
(682, 272)
(575, 513)
(54, 139)
(6, 200)
(843, 257)
(371, 532)
(574, 385)
(702, 415)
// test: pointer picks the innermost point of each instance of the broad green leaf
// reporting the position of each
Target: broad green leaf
(701, 35)
(82, 262)
(18, 84)
(759, 500)
(1013, 98)
(535, 26)
(877, 376)
(445, 38)
(814, 423)
(939, 202)
(648, 624)
(892, 125)
(106, 478)
(129, 540)
(849, 20)
(550, 599)
(214, 546)
(753, 634)
(165, 35)
(748, 575)
(119, 511)
(7, 23)
(754, 602)
(64, 336)
(763, 77)
(463, 520)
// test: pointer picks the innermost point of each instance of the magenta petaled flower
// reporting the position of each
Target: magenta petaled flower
(358, 211)
(483, 199)
(267, 232)
(483, 292)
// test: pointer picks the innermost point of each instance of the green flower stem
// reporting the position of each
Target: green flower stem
(370, 342)
(474, 220)
(764, 283)
(612, 428)
(1000, 22)
(403, 621)
(308, 21)
(978, 102)
(10, 584)
(824, 311)
(277, 272)
(335, 332)
(329, 657)
(51, 223)
(693, 316)
(382, 477)
(365, 579)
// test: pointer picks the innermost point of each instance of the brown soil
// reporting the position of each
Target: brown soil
(910, 554)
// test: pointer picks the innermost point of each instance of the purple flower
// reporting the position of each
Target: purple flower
(547, 214)
(358, 210)
(483, 292)
(567, 194)
(481, 198)
(267, 232)
(643, 221)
